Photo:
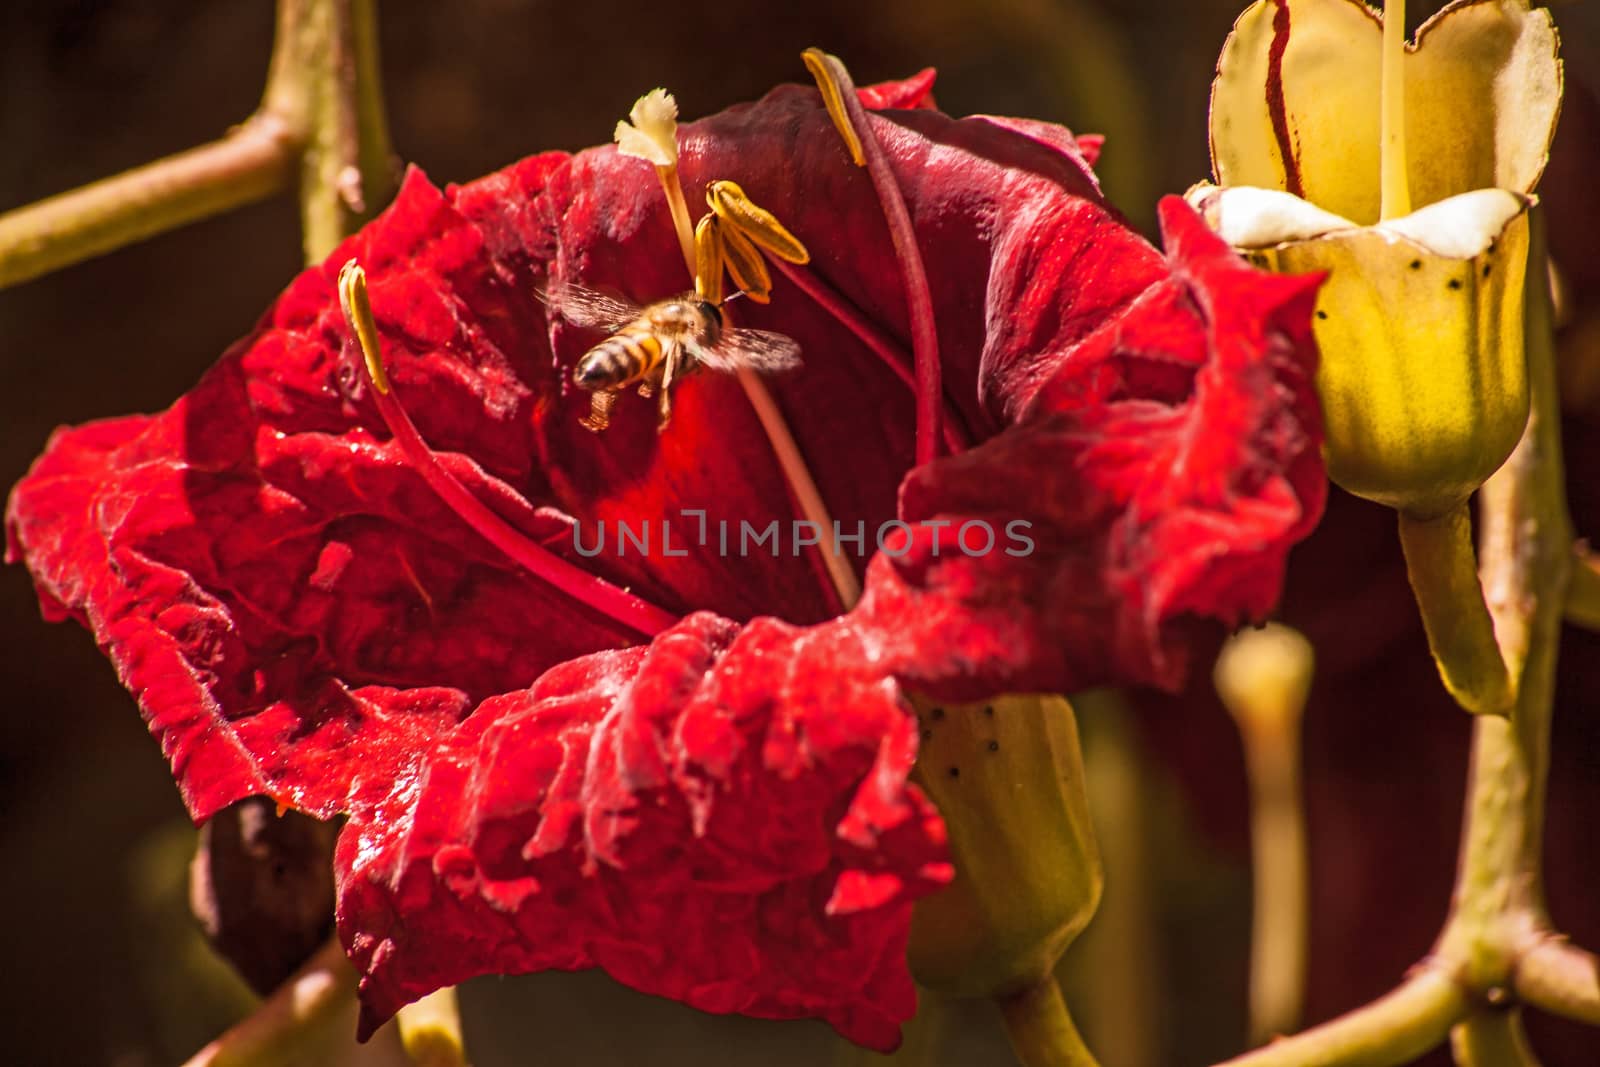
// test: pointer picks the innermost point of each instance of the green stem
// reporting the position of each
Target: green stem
(1498, 907)
(330, 77)
(1561, 979)
(1394, 1029)
(254, 161)
(291, 1025)
(1461, 631)
(1492, 1038)
(1041, 1029)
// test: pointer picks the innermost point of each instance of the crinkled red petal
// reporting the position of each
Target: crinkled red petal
(722, 818)
(1159, 474)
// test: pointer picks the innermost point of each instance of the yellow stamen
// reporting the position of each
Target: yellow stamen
(745, 263)
(1395, 190)
(755, 222)
(816, 62)
(708, 257)
(679, 207)
(358, 312)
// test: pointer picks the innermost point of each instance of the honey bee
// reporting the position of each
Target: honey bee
(656, 344)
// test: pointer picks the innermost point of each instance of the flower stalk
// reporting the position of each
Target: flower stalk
(1007, 775)
(1041, 1030)
(1443, 571)
(1583, 595)
(430, 1030)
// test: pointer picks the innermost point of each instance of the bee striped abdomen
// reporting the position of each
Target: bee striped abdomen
(626, 356)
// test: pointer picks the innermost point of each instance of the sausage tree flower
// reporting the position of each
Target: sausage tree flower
(686, 765)
(1423, 380)
(1326, 130)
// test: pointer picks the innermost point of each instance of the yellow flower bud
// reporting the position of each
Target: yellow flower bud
(1423, 380)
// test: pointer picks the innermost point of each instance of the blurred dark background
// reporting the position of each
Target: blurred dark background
(102, 966)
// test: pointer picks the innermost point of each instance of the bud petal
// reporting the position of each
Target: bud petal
(1423, 380)
(1293, 104)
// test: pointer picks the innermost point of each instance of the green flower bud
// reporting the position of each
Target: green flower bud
(1008, 779)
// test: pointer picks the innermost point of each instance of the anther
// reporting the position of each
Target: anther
(761, 226)
(816, 61)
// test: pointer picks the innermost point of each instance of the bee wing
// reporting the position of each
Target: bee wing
(585, 307)
(759, 350)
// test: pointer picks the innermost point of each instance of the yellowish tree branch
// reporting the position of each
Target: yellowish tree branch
(254, 161)
(1394, 1029)
(1560, 978)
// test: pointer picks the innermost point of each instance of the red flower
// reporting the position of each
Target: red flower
(720, 815)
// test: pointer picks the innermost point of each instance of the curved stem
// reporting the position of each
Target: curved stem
(289, 1024)
(1561, 979)
(595, 592)
(1041, 1029)
(1394, 1029)
(323, 107)
(1461, 632)
(882, 345)
(254, 161)
(1526, 560)
(839, 94)
(1492, 1038)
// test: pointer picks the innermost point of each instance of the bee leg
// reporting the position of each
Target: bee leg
(669, 371)
(646, 388)
(601, 402)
